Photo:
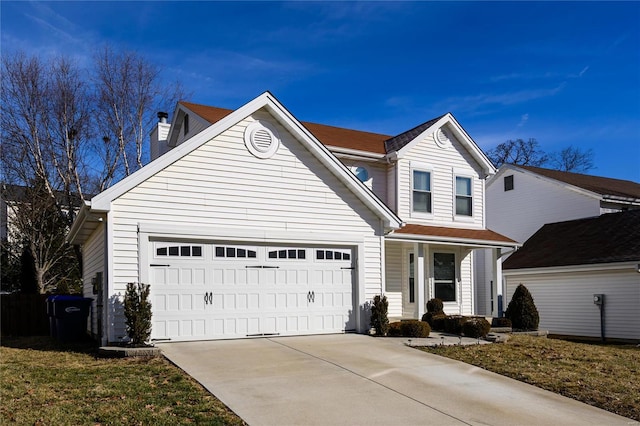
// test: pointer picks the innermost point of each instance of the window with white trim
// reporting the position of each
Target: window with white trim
(412, 280)
(444, 276)
(421, 191)
(464, 196)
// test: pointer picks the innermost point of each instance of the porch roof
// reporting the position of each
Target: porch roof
(457, 236)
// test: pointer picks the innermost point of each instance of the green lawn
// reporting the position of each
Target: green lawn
(44, 383)
(605, 376)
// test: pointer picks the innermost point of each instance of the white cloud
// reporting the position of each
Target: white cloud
(523, 120)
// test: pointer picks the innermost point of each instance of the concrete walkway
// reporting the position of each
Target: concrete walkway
(360, 380)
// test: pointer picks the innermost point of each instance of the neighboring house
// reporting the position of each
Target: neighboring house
(569, 266)
(251, 223)
(521, 199)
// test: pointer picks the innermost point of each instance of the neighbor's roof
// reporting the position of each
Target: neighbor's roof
(613, 237)
(328, 135)
(460, 235)
(597, 184)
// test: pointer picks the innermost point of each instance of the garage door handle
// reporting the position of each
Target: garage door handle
(208, 298)
(311, 296)
(261, 267)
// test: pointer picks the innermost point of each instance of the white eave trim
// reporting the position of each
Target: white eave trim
(355, 154)
(102, 201)
(613, 266)
(412, 238)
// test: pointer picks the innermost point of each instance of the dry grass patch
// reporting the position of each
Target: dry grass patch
(605, 376)
(44, 383)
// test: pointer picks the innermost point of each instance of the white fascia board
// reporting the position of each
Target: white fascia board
(355, 154)
(408, 238)
(102, 201)
(78, 222)
(552, 181)
(596, 267)
(461, 135)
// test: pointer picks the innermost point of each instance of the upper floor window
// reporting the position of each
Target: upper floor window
(508, 183)
(185, 124)
(464, 198)
(421, 191)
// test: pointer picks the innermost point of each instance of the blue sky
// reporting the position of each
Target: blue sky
(565, 73)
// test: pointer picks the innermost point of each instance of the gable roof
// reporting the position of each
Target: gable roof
(102, 202)
(328, 135)
(613, 237)
(604, 186)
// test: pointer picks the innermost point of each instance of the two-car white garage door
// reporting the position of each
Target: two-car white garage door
(224, 290)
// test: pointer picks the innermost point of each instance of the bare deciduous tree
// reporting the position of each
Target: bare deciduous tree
(56, 125)
(128, 93)
(572, 159)
(524, 153)
(529, 153)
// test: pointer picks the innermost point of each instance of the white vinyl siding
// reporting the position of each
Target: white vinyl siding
(565, 300)
(221, 185)
(196, 125)
(393, 277)
(93, 263)
(533, 202)
(377, 177)
(444, 165)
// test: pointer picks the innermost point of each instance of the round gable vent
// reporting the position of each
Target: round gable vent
(441, 138)
(261, 139)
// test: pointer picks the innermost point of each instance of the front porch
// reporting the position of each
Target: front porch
(423, 262)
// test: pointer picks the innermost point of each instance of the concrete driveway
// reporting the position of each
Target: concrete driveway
(360, 380)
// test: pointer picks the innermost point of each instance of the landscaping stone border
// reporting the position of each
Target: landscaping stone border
(125, 352)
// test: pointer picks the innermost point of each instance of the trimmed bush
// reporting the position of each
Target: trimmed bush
(435, 306)
(522, 310)
(501, 322)
(394, 329)
(414, 328)
(476, 327)
(437, 322)
(453, 324)
(379, 319)
(137, 312)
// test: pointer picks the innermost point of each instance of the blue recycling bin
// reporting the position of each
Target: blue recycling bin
(71, 313)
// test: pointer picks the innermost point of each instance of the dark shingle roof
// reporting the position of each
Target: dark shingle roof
(613, 237)
(597, 184)
(396, 143)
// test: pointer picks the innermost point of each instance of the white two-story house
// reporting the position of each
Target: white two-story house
(249, 222)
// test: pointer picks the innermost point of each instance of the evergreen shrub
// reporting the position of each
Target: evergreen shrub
(379, 318)
(522, 310)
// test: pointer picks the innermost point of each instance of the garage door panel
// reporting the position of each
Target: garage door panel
(296, 292)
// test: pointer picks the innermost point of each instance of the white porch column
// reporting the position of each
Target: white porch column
(420, 277)
(496, 280)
